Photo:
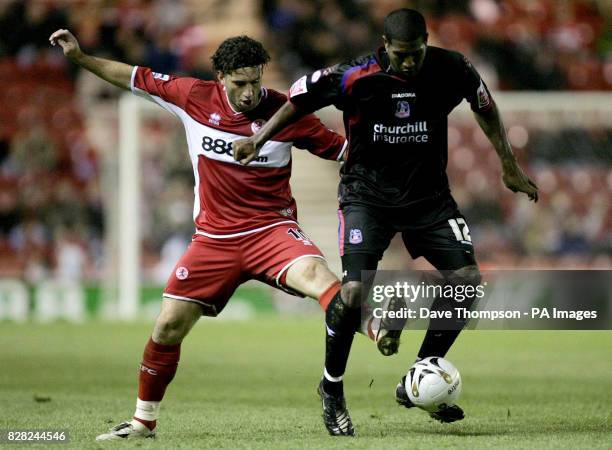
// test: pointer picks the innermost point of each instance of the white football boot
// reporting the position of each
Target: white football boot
(127, 430)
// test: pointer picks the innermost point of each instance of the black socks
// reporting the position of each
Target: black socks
(341, 323)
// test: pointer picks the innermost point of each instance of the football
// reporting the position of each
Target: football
(433, 384)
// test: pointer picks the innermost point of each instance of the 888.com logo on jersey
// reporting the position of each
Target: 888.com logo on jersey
(222, 147)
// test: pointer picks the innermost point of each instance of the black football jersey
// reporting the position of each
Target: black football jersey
(396, 127)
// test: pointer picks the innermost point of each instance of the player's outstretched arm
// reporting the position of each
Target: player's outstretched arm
(114, 72)
(513, 176)
(246, 150)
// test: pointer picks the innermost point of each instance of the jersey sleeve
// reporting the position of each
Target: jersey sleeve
(318, 139)
(319, 89)
(165, 90)
(475, 90)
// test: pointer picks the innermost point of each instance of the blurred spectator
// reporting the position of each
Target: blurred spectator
(51, 209)
(26, 25)
(33, 151)
(70, 255)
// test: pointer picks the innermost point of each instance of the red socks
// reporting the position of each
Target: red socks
(159, 364)
(329, 294)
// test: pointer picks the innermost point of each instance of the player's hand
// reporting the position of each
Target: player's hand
(517, 181)
(245, 150)
(68, 42)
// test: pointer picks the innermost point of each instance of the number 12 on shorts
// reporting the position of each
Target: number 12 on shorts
(460, 229)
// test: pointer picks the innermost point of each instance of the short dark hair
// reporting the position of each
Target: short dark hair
(237, 52)
(405, 25)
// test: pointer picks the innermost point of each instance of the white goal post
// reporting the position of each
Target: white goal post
(129, 205)
(578, 109)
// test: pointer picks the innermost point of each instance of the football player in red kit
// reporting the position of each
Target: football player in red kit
(245, 216)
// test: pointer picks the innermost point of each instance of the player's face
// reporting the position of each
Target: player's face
(243, 87)
(406, 57)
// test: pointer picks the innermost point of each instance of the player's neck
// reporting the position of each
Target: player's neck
(235, 109)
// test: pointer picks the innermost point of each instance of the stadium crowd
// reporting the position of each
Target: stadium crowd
(51, 208)
(516, 44)
(52, 212)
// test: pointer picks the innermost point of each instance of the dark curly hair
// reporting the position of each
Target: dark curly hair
(237, 52)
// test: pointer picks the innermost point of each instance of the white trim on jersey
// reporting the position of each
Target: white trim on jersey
(132, 78)
(284, 269)
(243, 233)
(339, 158)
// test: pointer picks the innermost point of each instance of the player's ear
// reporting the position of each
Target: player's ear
(385, 40)
(220, 76)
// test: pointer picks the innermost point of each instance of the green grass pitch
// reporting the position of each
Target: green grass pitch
(252, 385)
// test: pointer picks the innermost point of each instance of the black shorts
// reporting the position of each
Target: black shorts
(365, 233)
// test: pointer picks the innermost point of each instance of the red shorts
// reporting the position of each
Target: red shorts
(211, 269)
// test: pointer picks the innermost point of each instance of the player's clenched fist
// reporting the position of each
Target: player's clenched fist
(244, 150)
(68, 42)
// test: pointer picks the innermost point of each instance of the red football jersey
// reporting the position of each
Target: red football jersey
(232, 199)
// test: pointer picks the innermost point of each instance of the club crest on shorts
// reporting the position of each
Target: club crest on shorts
(287, 212)
(181, 273)
(355, 236)
(403, 109)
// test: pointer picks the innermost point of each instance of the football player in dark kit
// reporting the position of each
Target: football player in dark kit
(395, 104)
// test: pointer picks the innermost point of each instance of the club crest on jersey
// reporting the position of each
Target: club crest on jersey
(256, 126)
(160, 76)
(355, 236)
(299, 87)
(483, 96)
(215, 119)
(181, 273)
(402, 110)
